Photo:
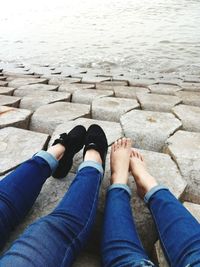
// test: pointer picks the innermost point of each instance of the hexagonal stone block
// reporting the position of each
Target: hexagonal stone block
(18, 145)
(141, 82)
(189, 116)
(164, 89)
(189, 98)
(14, 117)
(184, 147)
(149, 130)
(34, 101)
(36, 87)
(93, 79)
(59, 79)
(112, 108)
(112, 130)
(129, 91)
(3, 83)
(112, 83)
(86, 96)
(194, 209)
(156, 102)
(10, 101)
(16, 83)
(187, 86)
(6, 90)
(48, 117)
(72, 87)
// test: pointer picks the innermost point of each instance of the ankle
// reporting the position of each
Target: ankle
(93, 155)
(119, 179)
(57, 151)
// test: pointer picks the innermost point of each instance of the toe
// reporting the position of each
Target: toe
(119, 143)
(124, 142)
(115, 145)
(128, 142)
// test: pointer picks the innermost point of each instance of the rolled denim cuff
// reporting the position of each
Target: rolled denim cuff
(121, 186)
(93, 164)
(49, 158)
(153, 191)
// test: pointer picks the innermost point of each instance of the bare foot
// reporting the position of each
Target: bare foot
(143, 179)
(93, 155)
(119, 160)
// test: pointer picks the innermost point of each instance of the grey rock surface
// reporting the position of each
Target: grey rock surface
(38, 87)
(149, 130)
(10, 101)
(35, 101)
(16, 83)
(165, 89)
(71, 88)
(6, 90)
(112, 108)
(184, 148)
(189, 116)
(86, 96)
(129, 91)
(157, 102)
(189, 98)
(48, 117)
(15, 146)
(3, 84)
(15, 117)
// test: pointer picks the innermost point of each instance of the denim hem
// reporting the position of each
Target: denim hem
(121, 186)
(153, 191)
(93, 164)
(49, 158)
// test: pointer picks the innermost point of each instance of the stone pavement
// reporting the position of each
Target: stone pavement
(160, 114)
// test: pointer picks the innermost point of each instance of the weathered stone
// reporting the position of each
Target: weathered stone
(10, 101)
(19, 76)
(112, 108)
(114, 83)
(112, 130)
(3, 83)
(194, 209)
(18, 145)
(93, 79)
(191, 79)
(34, 101)
(149, 130)
(189, 116)
(16, 83)
(59, 80)
(141, 82)
(129, 91)
(86, 96)
(158, 102)
(37, 87)
(184, 147)
(14, 117)
(71, 88)
(6, 90)
(165, 89)
(48, 117)
(2, 78)
(187, 86)
(189, 98)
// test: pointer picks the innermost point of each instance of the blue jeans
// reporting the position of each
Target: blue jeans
(56, 239)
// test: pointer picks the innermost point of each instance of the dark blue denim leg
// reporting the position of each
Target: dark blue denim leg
(179, 231)
(56, 239)
(19, 190)
(121, 245)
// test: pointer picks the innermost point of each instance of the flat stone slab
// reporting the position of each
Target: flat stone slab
(14, 117)
(141, 82)
(189, 86)
(37, 87)
(59, 80)
(71, 88)
(189, 116)
(184, 148)
(129, 91)
(156, 102)
(6, 90)
(48, 117)
(10, 101)
(112, 83)
(35, 101)
(165, 89)
(189, 98)
(16, 83)
(194, 209)
(3, 83)
(86, 96)
(93, 79)
(18, 145)
(149, 130)
(112, 108)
